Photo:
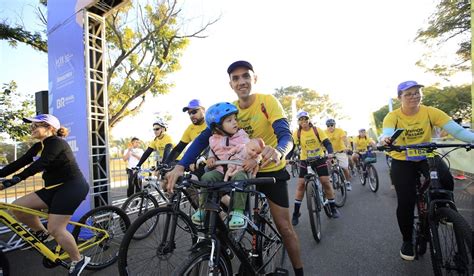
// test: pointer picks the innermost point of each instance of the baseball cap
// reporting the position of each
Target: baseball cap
(302, 114)
(193, 104)
(45, 118)
(407, 85)
(239, 63)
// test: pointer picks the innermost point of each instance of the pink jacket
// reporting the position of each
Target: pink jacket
(220, 147)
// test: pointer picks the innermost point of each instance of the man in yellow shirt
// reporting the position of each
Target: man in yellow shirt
(340, 145)
(361, 142)
(196, 114)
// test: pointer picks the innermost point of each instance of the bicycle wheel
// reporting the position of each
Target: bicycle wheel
(157, 253)
(4, 264)
(362, 174)
(198, 264)
(270, 249)
(313, 203)
(451, 243)
(372, 178)
(138, 204)
(339, 188)
(109, 218)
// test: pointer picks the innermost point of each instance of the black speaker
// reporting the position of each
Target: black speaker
(41, 101)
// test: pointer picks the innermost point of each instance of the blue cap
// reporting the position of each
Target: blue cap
(45, 118)
(407, 85)
(239, 63)
(193, 104)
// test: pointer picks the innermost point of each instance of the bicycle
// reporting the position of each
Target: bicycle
(315, 199)
(212, 254)
(338, 180)
(97, 234)
(294, 163)
(438, 222)
(367, 171)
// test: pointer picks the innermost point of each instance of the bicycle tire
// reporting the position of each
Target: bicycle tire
(362, 176)
(314, 209)
(339, 188)
(451, 243)
(115, 222)
(196, 265)
(137, 205)
(270, 249)
(372, 178)
(4, 264)
(143, 257)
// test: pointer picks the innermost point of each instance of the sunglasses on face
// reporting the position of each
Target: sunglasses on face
(303, 119)
(156, 129)
(193, 112)
(330, 125)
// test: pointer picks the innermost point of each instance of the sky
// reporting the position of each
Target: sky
(355, 51)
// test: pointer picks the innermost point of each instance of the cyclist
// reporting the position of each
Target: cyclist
(162, 143)
(312, 139)
(261, 116)
(196, 114)
(65, 186)
(418, 121)
(361, 143)
(340, 144)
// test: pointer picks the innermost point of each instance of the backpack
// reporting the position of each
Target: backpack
(315, 133)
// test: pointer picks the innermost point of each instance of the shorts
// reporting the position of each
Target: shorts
(277, 192)
(64, 199)
(320, 166)
(343, 160)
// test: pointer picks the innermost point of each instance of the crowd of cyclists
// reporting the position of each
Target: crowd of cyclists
(253, 129)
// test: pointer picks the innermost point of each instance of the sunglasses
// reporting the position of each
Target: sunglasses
(303, 119)
(156, 129)
(330, 125)
(193, 112)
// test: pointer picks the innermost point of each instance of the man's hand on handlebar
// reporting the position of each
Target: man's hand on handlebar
(172, 177)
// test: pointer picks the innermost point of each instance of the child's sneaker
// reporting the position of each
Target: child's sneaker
(238, 220)
(198, 217)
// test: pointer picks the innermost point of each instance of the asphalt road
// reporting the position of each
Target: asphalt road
(365, 240)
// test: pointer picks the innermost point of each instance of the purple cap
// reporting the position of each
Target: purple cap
(407, 85)
(239, 63)
(45, 118)
(302, 114)
(193, 104)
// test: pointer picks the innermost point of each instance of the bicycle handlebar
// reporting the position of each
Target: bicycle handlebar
(429, 146)
(240, 184)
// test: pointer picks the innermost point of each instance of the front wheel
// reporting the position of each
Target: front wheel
(372, 178)
(451, 243)
(270, 249)
(197, 264)
(339, 187)
(109, 218)
(361, 173)
(137, 205)
(314, 209)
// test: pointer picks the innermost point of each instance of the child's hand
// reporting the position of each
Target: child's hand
(211, 162)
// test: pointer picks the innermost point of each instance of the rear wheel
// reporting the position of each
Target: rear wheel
(372, 178)
(109, 218)
(451, 243)
(138, 204)
(197, 264)
(339, 188)
(314, 209)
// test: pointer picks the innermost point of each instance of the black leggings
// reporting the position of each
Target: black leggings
(406, 176)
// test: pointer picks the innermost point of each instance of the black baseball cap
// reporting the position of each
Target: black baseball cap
(239, 63)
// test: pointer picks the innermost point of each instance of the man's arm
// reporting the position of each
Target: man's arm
(198, 145)
(282, 131)
(175, 152)
(145, 156)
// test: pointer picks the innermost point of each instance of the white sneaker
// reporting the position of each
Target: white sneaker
(348, 186)
(77, 267)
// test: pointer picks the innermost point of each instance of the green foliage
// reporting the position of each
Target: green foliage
(317, 105)
(450, 22)
(13, 107)
(454, 100)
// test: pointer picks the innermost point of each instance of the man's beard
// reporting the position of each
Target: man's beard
(198, 121)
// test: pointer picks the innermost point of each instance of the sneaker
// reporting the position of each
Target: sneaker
(42, 236)
(77, 267)
(348, 186)
(407, 251)
(238, 220)
(295, 219)
(198, 217)
(335, 211)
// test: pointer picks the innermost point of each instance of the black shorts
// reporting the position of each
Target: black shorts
(64, 199)
(319, 166)
(277, 192)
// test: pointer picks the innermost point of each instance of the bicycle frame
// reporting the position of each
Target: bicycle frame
(22, 232)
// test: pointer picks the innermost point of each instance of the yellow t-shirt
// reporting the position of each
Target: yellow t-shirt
(309, 142)
(418, 128)
(255, 122)
(337, 139)
(361, 143)
(159, 144)
(191, 132)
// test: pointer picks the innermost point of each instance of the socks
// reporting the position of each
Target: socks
(297, 206)
(298, 271)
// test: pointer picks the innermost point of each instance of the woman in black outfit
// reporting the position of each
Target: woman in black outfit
(65, 186)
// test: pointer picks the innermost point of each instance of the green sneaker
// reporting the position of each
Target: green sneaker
(238, 220)
(198, 217)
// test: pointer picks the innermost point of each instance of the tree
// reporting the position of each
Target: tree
(450, 22)
(14, 107)
(454, 100)
(317, 105)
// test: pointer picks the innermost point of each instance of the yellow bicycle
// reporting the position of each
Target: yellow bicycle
(98, 234)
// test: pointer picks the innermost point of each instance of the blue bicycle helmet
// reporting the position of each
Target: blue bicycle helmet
(217, 112)
(330, 122)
